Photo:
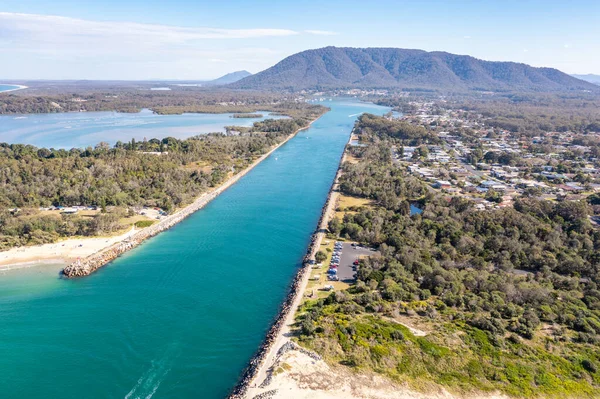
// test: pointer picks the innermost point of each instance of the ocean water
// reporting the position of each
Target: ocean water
(7, 87)
(180, 315)
(83, 129)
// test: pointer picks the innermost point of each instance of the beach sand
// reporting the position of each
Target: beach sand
(64, 251)
(299, 376)
(19, 87)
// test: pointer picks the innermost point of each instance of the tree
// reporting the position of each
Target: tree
(320, 256)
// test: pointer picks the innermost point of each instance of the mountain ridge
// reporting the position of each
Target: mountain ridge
(231, 77)
(380, 68)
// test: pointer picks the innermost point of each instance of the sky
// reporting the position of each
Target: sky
(196, 40)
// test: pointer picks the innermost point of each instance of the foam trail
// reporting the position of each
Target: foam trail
(147, 385)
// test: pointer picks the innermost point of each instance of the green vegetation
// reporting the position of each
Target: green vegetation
(167, 173)
(29, 227)
(249, 116)
(412, 70)
(510, 295)
(135, 97)
(140, 224)
(533, 115)
(375, 128)
(320, 256)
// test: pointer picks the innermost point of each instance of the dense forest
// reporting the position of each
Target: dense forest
(167, 173)
(125, 99)
(396, 68)
(510, 296)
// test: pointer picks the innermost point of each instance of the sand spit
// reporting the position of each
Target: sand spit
(18, 87)
(64, 251)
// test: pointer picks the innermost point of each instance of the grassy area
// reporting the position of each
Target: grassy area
(315, 286)
(140, 224)
(455, 355)
(348, 204)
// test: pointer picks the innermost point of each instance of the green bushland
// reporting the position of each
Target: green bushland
(510, 295)
(144, 223)
(167, 173)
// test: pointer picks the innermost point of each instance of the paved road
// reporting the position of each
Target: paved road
(349, 255)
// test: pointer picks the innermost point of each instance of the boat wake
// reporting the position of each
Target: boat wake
(353, 115)
(147, 385)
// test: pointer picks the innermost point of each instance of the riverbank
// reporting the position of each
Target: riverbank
(282, 369)
(84, 267)
(257, 376)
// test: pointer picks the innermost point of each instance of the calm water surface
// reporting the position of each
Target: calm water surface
(83, 129)
(181, 315)
(7, 87)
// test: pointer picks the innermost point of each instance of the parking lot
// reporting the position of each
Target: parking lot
(348, 256)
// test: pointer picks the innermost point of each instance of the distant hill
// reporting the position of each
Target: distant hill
(333, 67)
(589, 78)
(229, 78)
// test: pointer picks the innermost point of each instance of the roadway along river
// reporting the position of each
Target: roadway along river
(181, 315)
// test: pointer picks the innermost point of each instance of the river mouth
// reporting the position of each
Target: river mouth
(180, 315)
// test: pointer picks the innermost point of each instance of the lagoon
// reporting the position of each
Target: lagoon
(180, 315)
(83, 129)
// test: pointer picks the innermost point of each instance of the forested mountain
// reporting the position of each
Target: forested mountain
(229, 78)
(333, 67)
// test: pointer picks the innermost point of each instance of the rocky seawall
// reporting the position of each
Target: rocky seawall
(256, 362)
(88, 265)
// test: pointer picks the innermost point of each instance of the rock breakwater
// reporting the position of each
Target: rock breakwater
(88, 265)
(296, 289)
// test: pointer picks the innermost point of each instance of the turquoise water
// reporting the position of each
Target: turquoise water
(7, 87)
(181, 315)
(83, 129)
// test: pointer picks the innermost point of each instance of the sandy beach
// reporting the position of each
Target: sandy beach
(19, 87)
(300, 376)
(64, 251)
(73, 250)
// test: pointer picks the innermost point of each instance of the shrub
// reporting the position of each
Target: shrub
(140, 224)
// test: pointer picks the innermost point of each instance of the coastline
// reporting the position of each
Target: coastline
(91, 263)
(276, 343)
(19, 87)
(282, 369)
(63, 251)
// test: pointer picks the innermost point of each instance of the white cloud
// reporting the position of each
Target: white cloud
(466, 37)
(64, 29)
(321, 32)
(44, 46)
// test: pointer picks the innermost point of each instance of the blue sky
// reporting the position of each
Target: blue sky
(178, 39)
